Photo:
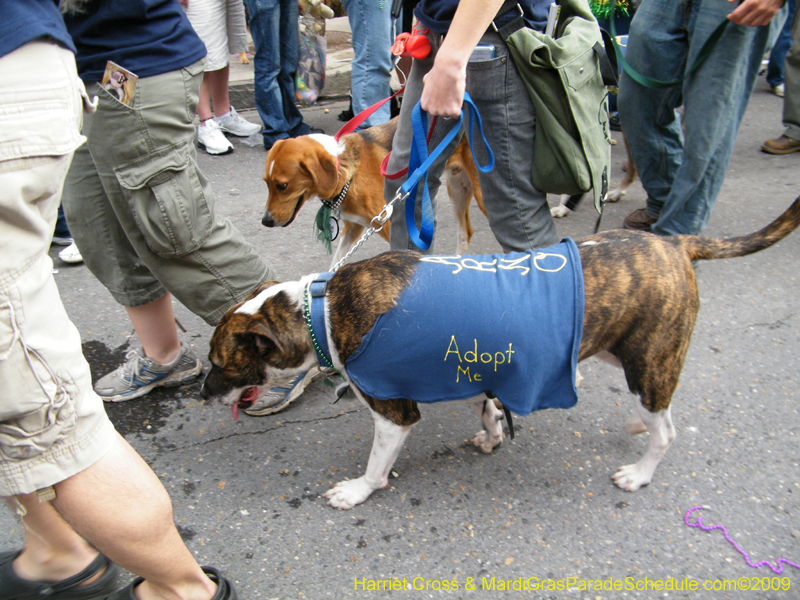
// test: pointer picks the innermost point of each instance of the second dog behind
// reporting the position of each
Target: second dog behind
(347, 175)
(562, 209)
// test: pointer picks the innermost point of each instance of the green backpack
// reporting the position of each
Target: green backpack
(567, 77)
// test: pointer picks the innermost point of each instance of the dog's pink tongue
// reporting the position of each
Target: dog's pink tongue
(235, 411)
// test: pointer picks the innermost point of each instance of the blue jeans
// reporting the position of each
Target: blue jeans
(273, 25)
(372, 26)
(683, 177)
(62, 229)
(519, 215)
(776, 69)
(791, 101)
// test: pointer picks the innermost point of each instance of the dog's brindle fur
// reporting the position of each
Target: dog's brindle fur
(641, 302)
(301, 169)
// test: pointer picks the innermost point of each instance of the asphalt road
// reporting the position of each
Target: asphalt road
(247, 493)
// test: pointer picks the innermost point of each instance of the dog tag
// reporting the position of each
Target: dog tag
(333, 223)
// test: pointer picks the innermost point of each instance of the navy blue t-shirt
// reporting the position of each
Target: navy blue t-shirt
(438, 14)
(22, 21)
(147, 37)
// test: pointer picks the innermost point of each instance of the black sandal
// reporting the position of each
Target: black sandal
(13, 587)
(225, 589)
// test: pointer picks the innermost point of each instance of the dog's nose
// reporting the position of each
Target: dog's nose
(267, 220)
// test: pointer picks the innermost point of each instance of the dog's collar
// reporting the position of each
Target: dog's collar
(336, 202)
(314, 314)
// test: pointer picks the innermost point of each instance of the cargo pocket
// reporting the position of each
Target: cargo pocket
(168, 201)
(41, 409)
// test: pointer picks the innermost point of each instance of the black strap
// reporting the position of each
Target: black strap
(510, 421)
(609, 68)
(507, 6)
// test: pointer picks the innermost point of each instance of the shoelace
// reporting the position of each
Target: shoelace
(130, 369)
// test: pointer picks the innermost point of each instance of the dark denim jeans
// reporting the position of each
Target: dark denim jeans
(372, 27)
(683, 177)
(776, 70)
(273, 25)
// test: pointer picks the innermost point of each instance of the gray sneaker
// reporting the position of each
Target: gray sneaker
(277, 398)
(139, 374)
(236, 124)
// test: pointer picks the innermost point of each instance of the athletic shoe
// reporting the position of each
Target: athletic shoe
(210, 137)
(139, 374)
(71, 254)
(235, 124)
(779, 90)
(277, 398)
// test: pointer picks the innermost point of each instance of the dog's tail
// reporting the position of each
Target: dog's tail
(710, 248)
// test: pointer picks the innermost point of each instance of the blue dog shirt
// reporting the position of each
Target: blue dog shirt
(510, 324)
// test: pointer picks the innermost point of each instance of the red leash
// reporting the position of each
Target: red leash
(365, 114)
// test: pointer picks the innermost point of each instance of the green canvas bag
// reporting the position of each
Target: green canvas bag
(567, 77)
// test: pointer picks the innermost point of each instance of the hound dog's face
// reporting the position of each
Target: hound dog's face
(258, 343)
(298, 169)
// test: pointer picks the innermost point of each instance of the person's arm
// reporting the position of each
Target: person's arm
(443, 91)
(755, 13)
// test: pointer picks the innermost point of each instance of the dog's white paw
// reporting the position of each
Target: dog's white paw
(615, 195)
(631, 477)
(486, 442)
(559, 211)
(346, 494)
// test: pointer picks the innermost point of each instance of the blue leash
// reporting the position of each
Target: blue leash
(420, 161)
(418, 165)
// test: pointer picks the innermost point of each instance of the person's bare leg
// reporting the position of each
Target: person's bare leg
(120, 507)
(155, 327)
(204, 104)
(53, 551)
(218, 89)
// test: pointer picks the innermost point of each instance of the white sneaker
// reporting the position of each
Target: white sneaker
(210, 137)
(235, 124)
(71, 254)
(779, 90)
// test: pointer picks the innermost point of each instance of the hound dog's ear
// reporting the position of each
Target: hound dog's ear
(265, 338)
(322, 167)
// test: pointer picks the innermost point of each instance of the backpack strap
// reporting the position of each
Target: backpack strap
(609, 67)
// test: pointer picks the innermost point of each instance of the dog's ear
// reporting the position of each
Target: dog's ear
(265, 338)
(323, 170)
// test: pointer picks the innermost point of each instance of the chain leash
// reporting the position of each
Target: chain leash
(375, 225)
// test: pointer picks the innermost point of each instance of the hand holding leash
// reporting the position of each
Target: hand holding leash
(418, 165)
(420, 161)
(444, 88)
